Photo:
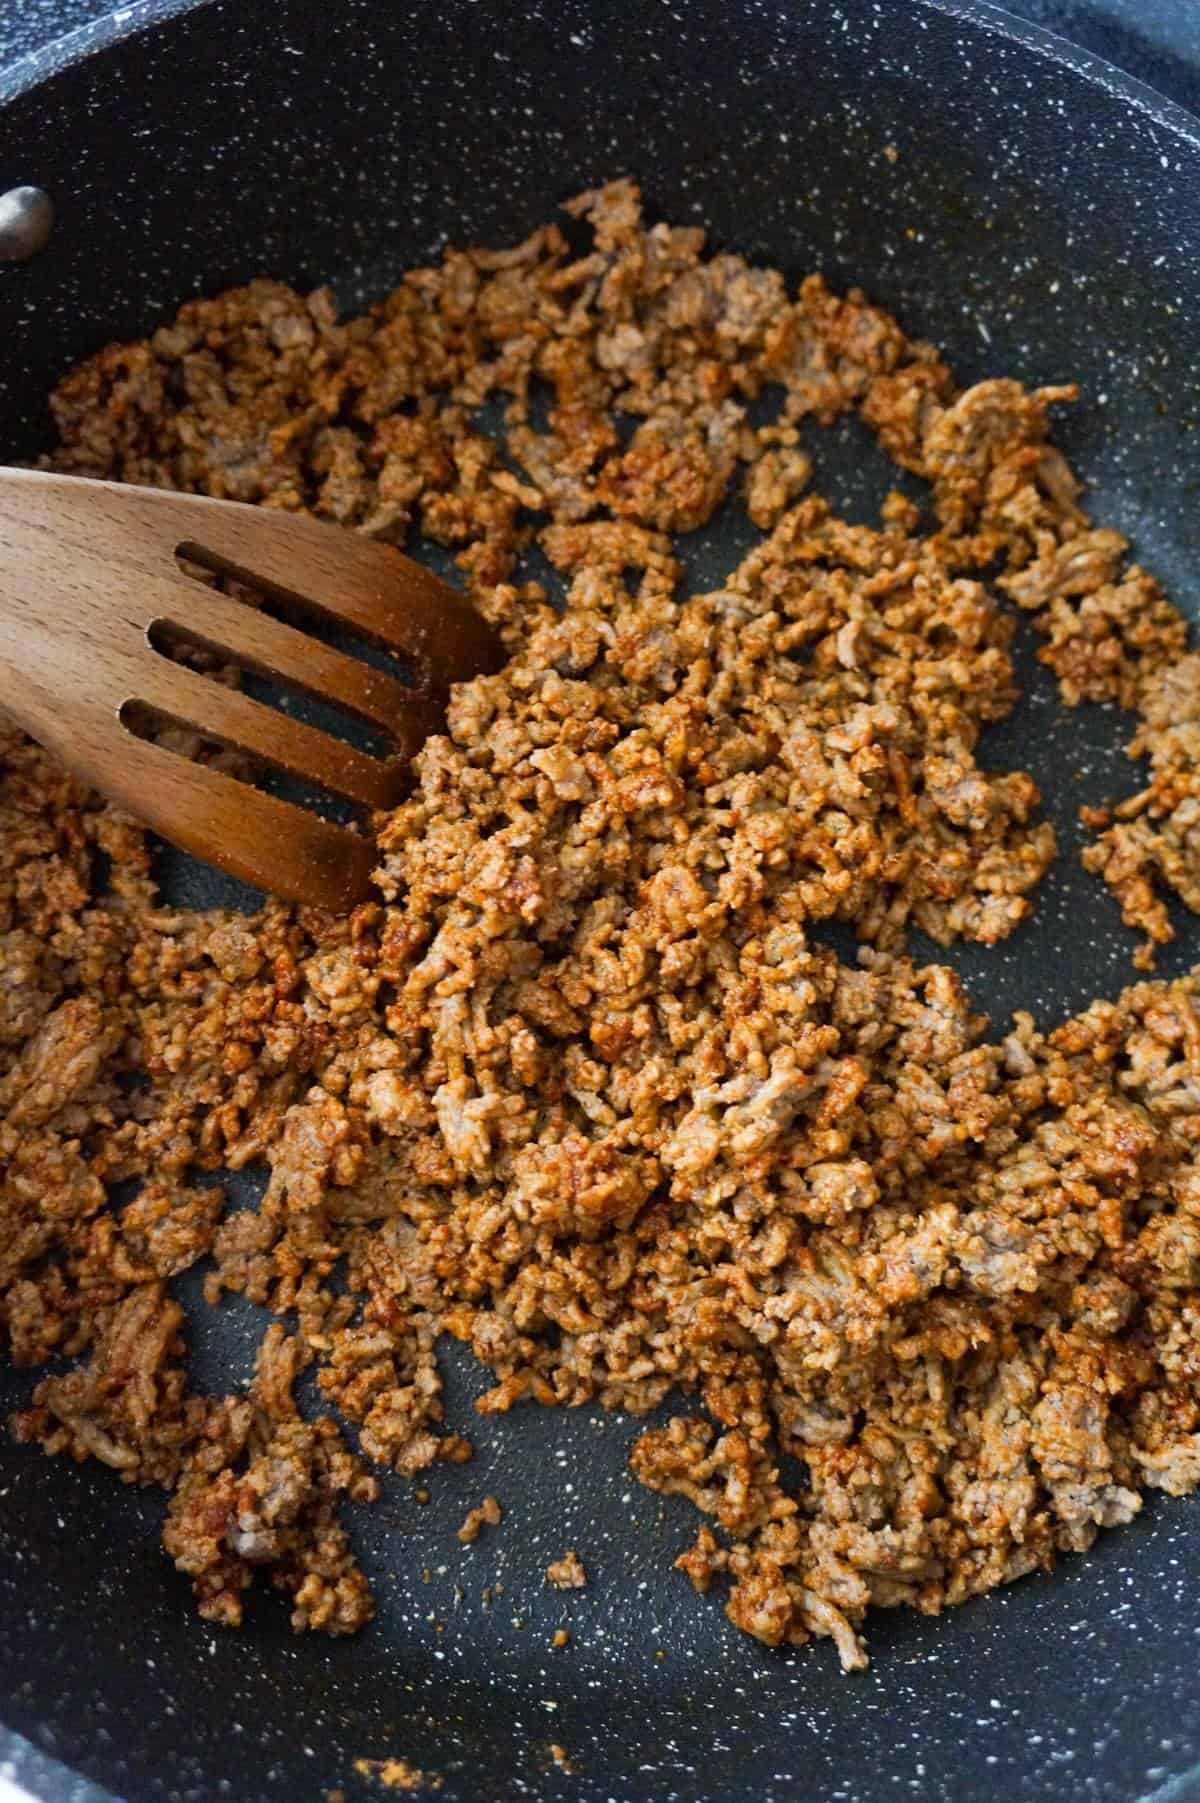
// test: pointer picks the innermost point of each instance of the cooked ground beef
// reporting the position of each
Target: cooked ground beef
(485, 1515)
(566, 1573)
(580, 1086)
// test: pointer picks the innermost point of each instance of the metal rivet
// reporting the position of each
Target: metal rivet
(26, 216)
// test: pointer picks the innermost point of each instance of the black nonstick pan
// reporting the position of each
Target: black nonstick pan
(1035, 215)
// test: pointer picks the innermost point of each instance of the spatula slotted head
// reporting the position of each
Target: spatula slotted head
(93, 590)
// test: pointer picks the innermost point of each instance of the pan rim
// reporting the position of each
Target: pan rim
(145, 17)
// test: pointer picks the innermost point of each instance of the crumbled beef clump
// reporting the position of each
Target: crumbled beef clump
(580, 1086)
(566, 1573)
(485, 1515)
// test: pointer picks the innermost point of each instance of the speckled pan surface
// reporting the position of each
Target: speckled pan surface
(1042, 218)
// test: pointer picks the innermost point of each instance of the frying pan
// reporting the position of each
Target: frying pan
(1033, 213)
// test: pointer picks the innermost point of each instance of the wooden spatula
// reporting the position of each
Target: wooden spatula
(90, 578)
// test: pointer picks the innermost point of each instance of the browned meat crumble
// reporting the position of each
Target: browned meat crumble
(579, 1087)
(566, 1573)
(485, 1515)
(398, 1774)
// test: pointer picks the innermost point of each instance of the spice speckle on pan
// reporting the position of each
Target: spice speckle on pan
(587, 1087)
